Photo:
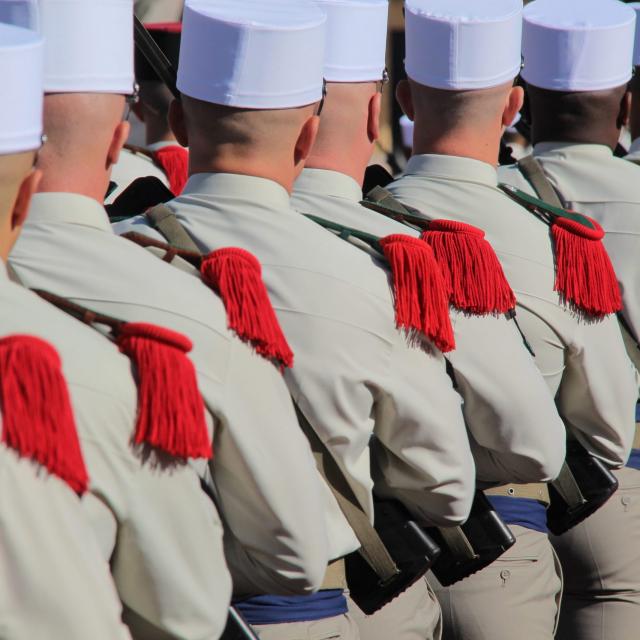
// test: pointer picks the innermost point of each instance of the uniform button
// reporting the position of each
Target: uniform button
(626, 500)
(505, 574)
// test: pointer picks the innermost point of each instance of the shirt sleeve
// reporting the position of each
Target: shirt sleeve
(424, 458)
(508, 408)
(268, 486)
(599, 390)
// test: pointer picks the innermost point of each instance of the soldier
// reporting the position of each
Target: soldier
(54, 581)
(266, 487)
(250, 121)
(490, 361)
(161, 157)
(461, 60)
(578, 105)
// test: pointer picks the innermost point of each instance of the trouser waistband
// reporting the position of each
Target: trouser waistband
(534, 491)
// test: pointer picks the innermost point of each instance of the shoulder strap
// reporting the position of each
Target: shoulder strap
(372, 548)
(532, 170)
(166, 222)
(137, 150)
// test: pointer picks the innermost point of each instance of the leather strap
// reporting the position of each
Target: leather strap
(534, 491)
(458, 543)
(166, 222)
(372, 547)
(565, 484)
(636, 438)
(335, 576)
(532, 170)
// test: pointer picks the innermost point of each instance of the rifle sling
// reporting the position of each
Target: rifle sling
(532, 170)
(565, 484)
(372, 547)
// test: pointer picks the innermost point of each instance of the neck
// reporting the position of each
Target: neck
(158, 132)
(239, 163)
(59, 181)
(340, 163)
(584, 133)
(464, 143)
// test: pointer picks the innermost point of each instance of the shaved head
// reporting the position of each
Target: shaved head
(466, 123)
(84, 135)
(268, 143)
(586, 116)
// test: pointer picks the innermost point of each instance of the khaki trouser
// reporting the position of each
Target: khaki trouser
(601, 563)
(516, 597)
(413, 615)
(336, 628)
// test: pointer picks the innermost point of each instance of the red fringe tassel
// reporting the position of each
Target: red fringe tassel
(170, 408)
(236, 275)
(174, 161)
(420, 292)
(37, 417)
(584, 274)
(470, 268)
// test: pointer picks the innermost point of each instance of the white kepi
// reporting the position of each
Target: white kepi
(88, 46)
(254, 54)
(463, 44)
(19, 13)
(21, 62)
(578, 45)
(356, 39)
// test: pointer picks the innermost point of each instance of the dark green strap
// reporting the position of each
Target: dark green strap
(543, 210)
(372, 547)
(532, 170)
(382, 201)
(346, 233)
(166, 222)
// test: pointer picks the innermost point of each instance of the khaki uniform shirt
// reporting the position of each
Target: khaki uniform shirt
(584, 362)
(591, 180)
(517, 437)
(159, 10)
(355, 374)
(263, 470)
(160, 534)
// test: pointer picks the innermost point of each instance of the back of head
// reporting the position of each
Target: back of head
(250, 74)
(462, 57)
(577, 61)
(354, 68)
(88, 73)
(21, 59)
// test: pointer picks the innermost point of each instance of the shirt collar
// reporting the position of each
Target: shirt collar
(324, 182)
(455, 168)
(156, 146)
(635, 146)
(70, 208)
(262, 190)
(571, 148)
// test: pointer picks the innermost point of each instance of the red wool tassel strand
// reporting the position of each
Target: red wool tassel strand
(37, 417)
(470, 268)
(174, 161)
(170, 408)
(236, 275)
(420, 292)
(584, 274)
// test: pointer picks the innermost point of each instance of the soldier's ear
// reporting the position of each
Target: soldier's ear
(120, 135)
(373, 123)
(513, 104)
(405, 99)
(178, 123)
(26, 190)
(306, 139)
(625, 110)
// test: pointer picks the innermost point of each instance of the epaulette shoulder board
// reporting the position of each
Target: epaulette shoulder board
(421, 297)
(471, 269)
(232, 273)
(171, 414)
(585, 278)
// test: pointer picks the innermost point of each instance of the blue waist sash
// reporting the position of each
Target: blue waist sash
(521, 511)
(279, 609)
